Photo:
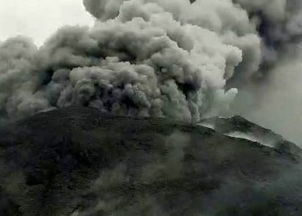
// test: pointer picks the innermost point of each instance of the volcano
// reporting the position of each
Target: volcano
(77, 161)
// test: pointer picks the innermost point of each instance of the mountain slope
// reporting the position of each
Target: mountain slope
(77, 161)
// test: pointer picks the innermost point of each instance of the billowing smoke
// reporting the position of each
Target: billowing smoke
(19, 79)
(143, 57)
(273, 96)
(180, 59)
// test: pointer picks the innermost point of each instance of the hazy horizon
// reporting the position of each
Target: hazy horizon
(29, 18)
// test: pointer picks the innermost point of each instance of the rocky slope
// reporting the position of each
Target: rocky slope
(78, 162)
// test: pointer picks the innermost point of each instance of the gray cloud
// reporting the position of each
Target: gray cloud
(145, 58)
(272, 97)
(18, 79)
(184, 60)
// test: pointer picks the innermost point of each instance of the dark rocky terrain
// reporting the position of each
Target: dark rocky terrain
(78, 162)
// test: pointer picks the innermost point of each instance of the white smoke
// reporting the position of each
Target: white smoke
(142, 57)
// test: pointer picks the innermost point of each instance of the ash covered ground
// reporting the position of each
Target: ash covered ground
(76, 161)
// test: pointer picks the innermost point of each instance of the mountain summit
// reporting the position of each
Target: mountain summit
(80, 162)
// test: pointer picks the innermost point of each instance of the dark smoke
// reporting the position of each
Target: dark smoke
(142, 58)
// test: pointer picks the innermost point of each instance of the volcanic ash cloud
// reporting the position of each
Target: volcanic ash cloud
(142, 58)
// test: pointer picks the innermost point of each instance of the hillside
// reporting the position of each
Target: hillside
(79, 162)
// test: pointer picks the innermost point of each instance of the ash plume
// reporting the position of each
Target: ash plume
(142, 58)
(272, 96)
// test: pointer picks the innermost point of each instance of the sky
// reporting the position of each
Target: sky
(39, 19)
